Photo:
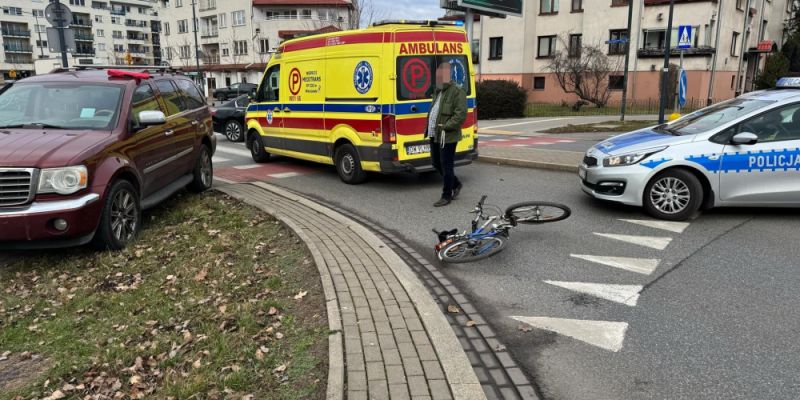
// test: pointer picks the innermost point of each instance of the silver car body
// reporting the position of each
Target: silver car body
(762, 174)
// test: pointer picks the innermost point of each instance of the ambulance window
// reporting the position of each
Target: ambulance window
(417, 75)
(270, 85)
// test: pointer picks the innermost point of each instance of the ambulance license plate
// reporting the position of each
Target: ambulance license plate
(418, 149)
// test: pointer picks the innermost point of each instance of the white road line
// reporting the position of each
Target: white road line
(644, 266)
(251, 166)
(623, 294)
(220, 159)
(521, 123)
(497, 140)
(238, 152)
(284, 175)
(653, 242)
(607, 335)
(677, 227)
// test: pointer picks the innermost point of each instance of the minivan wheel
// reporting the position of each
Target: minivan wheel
(203, 172)
(233, 130)
(121, 217)
(257, 149)
(348, 165)
(673, 195)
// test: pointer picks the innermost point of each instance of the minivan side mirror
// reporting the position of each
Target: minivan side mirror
(744, 138)
(150, 118)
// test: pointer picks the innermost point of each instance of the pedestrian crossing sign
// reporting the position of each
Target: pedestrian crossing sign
(684, 36)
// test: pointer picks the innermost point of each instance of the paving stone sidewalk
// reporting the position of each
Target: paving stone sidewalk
(558, 160)
(389, 339)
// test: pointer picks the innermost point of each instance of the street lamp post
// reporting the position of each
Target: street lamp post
(627, 60)
(197, 46)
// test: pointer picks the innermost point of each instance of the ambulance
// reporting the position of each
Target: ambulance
(359, 99)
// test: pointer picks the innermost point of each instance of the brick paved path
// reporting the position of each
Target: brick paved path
(396, 342)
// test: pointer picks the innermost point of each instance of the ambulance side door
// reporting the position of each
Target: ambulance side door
(268, 99)
(766, 172)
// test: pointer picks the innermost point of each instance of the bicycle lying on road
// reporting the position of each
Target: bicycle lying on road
(490, 237)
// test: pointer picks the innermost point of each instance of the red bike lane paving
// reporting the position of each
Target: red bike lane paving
(261, 172)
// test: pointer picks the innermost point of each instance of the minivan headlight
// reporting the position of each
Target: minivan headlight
(65, 180)
(629, 159)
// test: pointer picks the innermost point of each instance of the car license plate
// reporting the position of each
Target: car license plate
(418, 149)
(582, 174)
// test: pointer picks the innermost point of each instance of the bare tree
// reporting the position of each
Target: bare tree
(364, 13)
(584, 71)
(236, 57)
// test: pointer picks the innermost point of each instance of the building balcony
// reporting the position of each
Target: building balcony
(84, 53)
(81, 23)
(84, 37)
(703, 51)
(117, 12)
(17, 48)
(16, 33)
(212, 59)
(206, 35)
(19, 60)
(136, 38)
(207, 8)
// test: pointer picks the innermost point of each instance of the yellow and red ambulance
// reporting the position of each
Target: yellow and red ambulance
(359, 99)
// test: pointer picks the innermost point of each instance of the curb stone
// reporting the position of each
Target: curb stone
(528, 163)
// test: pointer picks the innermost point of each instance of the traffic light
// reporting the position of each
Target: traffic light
(12, 74)
(129, 59)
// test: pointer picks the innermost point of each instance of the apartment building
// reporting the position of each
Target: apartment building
(237, 37)
(520, 48)
(106, 32)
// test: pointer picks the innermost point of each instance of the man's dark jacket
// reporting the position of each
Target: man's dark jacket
(452, 113)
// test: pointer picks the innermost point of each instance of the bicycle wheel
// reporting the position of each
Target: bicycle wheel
(468, 250)
(537, 212)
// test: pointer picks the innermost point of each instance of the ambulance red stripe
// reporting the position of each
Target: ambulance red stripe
(375, 37)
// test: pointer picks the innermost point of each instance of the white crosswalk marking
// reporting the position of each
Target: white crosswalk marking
(251, 166)
(653, 242)
(220, 159)
(644, 266)
(284, 175)
(623, 294)
(238, 152)
(607, 335)
(676, 227)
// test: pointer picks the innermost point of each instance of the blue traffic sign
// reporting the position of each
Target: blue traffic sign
(682, 86)
(685, 36)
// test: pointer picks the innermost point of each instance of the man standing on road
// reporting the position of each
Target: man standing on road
(448, 112)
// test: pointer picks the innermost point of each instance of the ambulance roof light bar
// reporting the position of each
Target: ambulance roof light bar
(421, 22)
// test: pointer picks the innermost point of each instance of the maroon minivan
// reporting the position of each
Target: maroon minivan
(83, 151)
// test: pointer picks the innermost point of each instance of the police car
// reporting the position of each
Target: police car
(741, 152)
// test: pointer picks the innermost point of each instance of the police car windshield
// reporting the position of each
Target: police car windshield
(712, 117)
(60, 105)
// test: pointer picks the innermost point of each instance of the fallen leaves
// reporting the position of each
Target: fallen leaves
(453, 309)
(299, 296)
(470, 323)
(524, 328)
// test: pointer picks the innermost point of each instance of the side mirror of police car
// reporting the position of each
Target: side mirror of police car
(745, 138)
(150, 118)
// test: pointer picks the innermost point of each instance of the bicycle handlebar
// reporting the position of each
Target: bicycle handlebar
(480, 203)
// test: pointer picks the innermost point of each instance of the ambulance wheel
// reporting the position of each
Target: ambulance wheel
(257, 148)
(674, 194)
(348, 165)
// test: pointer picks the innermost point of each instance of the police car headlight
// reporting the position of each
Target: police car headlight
(66, 180)
(628, 159)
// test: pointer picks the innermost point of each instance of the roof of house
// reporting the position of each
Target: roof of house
(289, 34)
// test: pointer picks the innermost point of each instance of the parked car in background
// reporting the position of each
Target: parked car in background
(84, 151)
(229, 118)
(234, 90)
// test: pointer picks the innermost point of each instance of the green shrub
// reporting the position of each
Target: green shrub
(500, 99)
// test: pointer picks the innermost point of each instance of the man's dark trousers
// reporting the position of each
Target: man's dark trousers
(443, 159)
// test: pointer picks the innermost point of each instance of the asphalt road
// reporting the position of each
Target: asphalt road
(716, 318)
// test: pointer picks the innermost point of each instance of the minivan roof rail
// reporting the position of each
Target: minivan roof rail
(423, 22)
(154, 68)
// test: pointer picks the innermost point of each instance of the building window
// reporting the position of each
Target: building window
(186, 52)
(538, 83)
(654, 39)
(38, 13)
(548, 6)
(495, 48)
(12, 10)
(40, 28)
(101, 33)
(178, 3)
(116, 34)
(575, 44)
(740, 5)
(41, 43)
(222, 20)
(615, 82)
(763, 30)
(240, 48)
(547, 47)
(734, 46)
(263, 46)
(183, 26)
(238, 18)
(619, 3)
(98, 18)
(77, 2)
(577, 5)
(119, 48)
(305, 14)
(476, 51)
(733, 82)
(101, 47)
(225, 52)
(166, 28)
(617, 39)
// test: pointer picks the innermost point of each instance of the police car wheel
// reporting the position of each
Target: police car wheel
(257, 149)
(348, 165)
(673, 195)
